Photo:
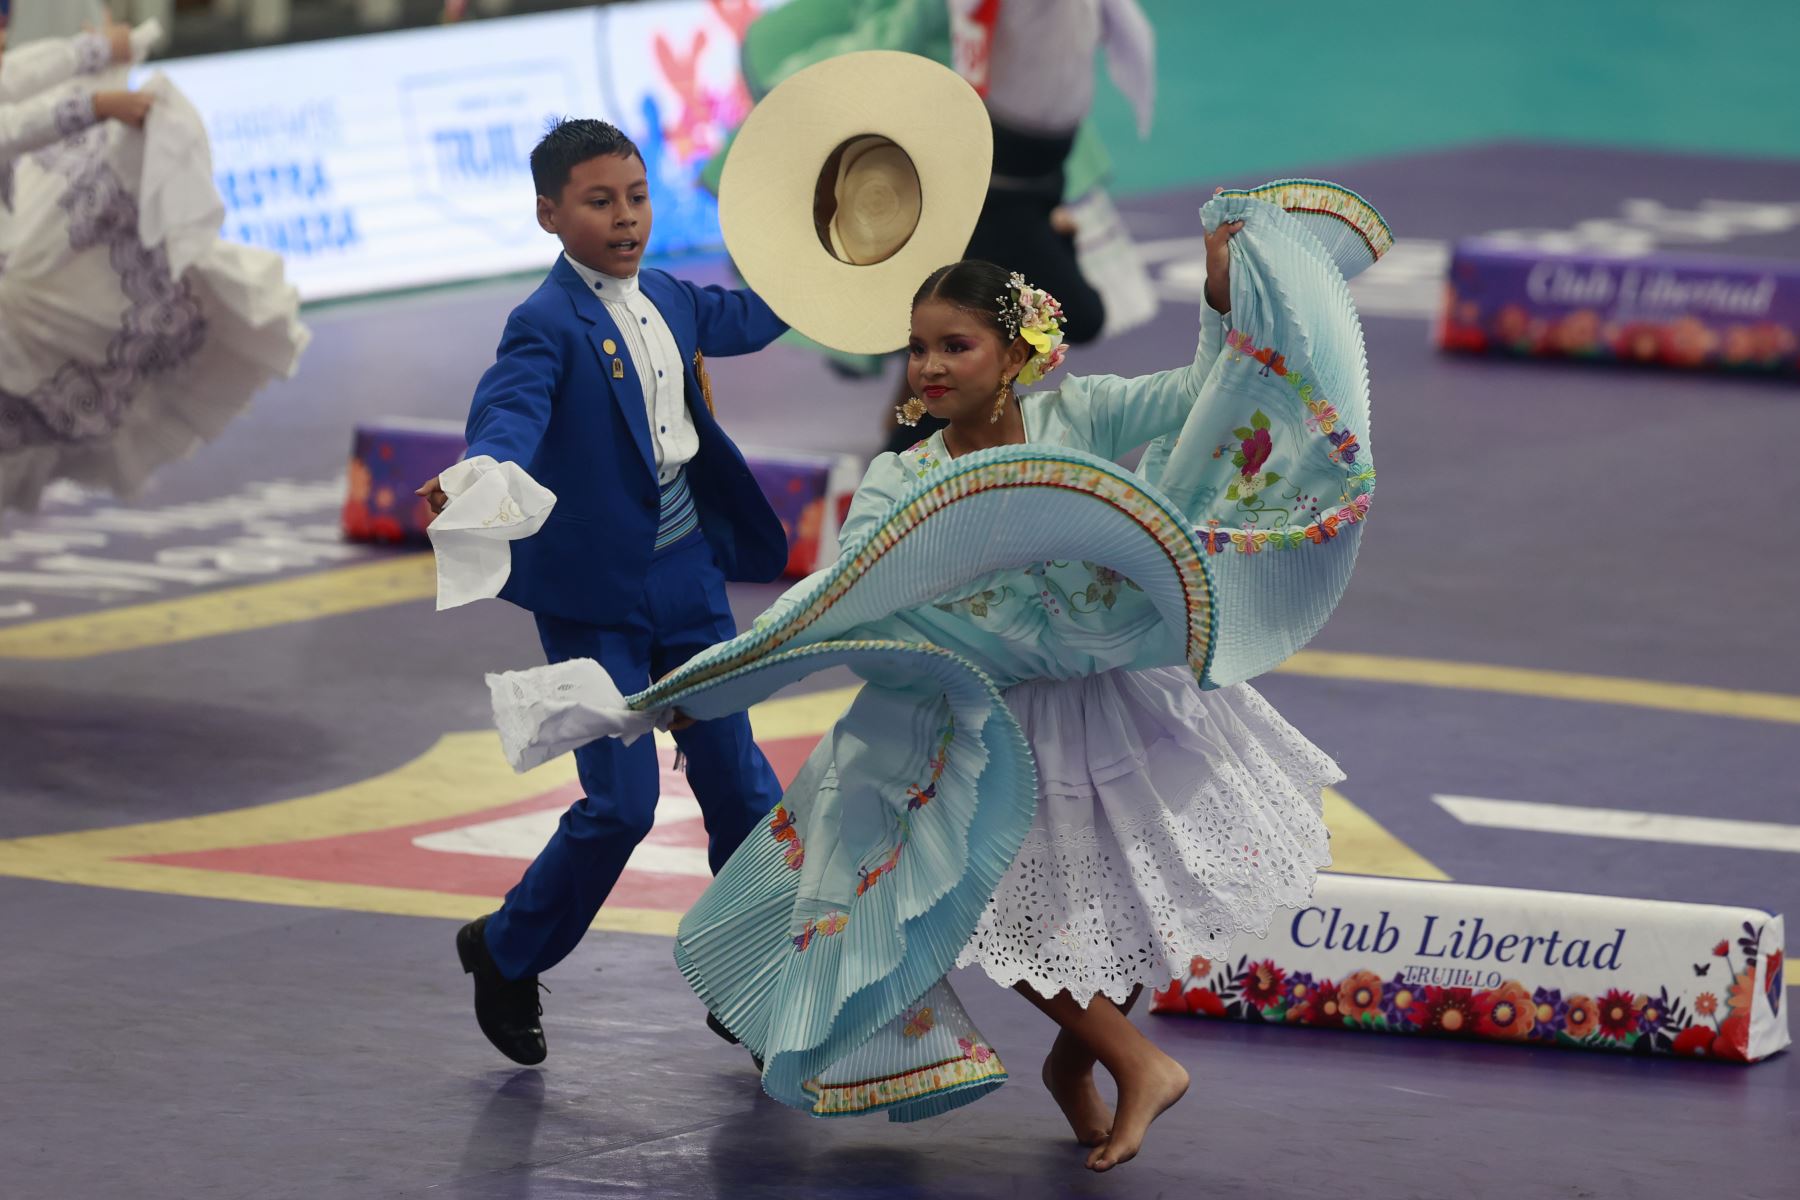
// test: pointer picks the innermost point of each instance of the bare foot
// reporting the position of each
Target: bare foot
(1062, 220)
(1144, 1094)
(1070, 1077)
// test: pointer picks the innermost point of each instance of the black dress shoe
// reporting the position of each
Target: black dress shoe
(717, 1026)
(506, 1009)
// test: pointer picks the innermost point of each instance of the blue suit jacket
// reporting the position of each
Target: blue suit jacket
(549, 403)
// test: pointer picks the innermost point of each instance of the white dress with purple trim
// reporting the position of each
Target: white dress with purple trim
(129, 332)
(1054, 770)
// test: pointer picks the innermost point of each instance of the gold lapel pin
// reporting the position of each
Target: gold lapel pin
(610, 346)
(618, 368)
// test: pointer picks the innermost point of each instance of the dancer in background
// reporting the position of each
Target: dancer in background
(129, 333)
(1032, 61)
(36, 110)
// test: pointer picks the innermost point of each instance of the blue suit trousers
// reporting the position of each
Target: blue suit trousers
(682, 611)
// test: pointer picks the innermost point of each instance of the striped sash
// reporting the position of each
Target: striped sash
(678, 517)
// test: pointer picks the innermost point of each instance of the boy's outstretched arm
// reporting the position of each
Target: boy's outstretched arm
(732, 320)
(512, 402)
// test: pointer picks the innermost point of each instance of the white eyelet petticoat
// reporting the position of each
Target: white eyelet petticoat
(1169, 821)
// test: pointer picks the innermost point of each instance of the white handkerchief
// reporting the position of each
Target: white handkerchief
(179, 207)
(144, 37)
(548, 711)
(491, 504)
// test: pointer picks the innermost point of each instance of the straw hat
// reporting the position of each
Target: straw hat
(850, 183)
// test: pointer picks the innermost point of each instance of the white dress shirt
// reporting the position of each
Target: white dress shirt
(650, 352)
(1041, 69)
(1040, 60)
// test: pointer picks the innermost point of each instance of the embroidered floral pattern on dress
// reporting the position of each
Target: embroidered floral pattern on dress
(1255, 444)
(919, 459)
(1309, 522)
(979, 604)
(1049, 470)
(92, 53)
(917, 798)
(74, 114)
(1046, 593)
(1103, 592)
(161, 329)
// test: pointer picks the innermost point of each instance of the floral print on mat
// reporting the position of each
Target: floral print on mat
(1714, 1022)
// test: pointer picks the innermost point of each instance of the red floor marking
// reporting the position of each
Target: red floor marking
(388, 857)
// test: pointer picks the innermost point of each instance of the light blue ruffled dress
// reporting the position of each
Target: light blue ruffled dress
(1055, 770)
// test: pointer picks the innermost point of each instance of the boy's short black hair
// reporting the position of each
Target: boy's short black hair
(570, 142)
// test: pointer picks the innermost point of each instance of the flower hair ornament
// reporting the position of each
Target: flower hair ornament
(1034, 314)
(1027, 312)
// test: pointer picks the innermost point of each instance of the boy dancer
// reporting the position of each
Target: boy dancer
(598, 392)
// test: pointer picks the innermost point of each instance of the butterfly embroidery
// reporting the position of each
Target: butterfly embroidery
(1271, 361)
(1322, 532)
(919, 798)
(825, 927)
(1355, 510)
(974, 1050)
(1324, 417)
(1213, 538)
(1249, 540)
(1344, 447)
(919, 1024)
(782, 826)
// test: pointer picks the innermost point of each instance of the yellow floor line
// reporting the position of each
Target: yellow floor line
(465, 773)
(462, 773)
(298, 893)
(411, 577)
(1547, 685)
(227, 610)
(1361, 845)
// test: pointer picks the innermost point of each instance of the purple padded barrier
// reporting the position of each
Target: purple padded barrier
(1682, 311)
(390, 457)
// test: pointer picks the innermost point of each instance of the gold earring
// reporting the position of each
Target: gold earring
(910, 412)
(1005, 393)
